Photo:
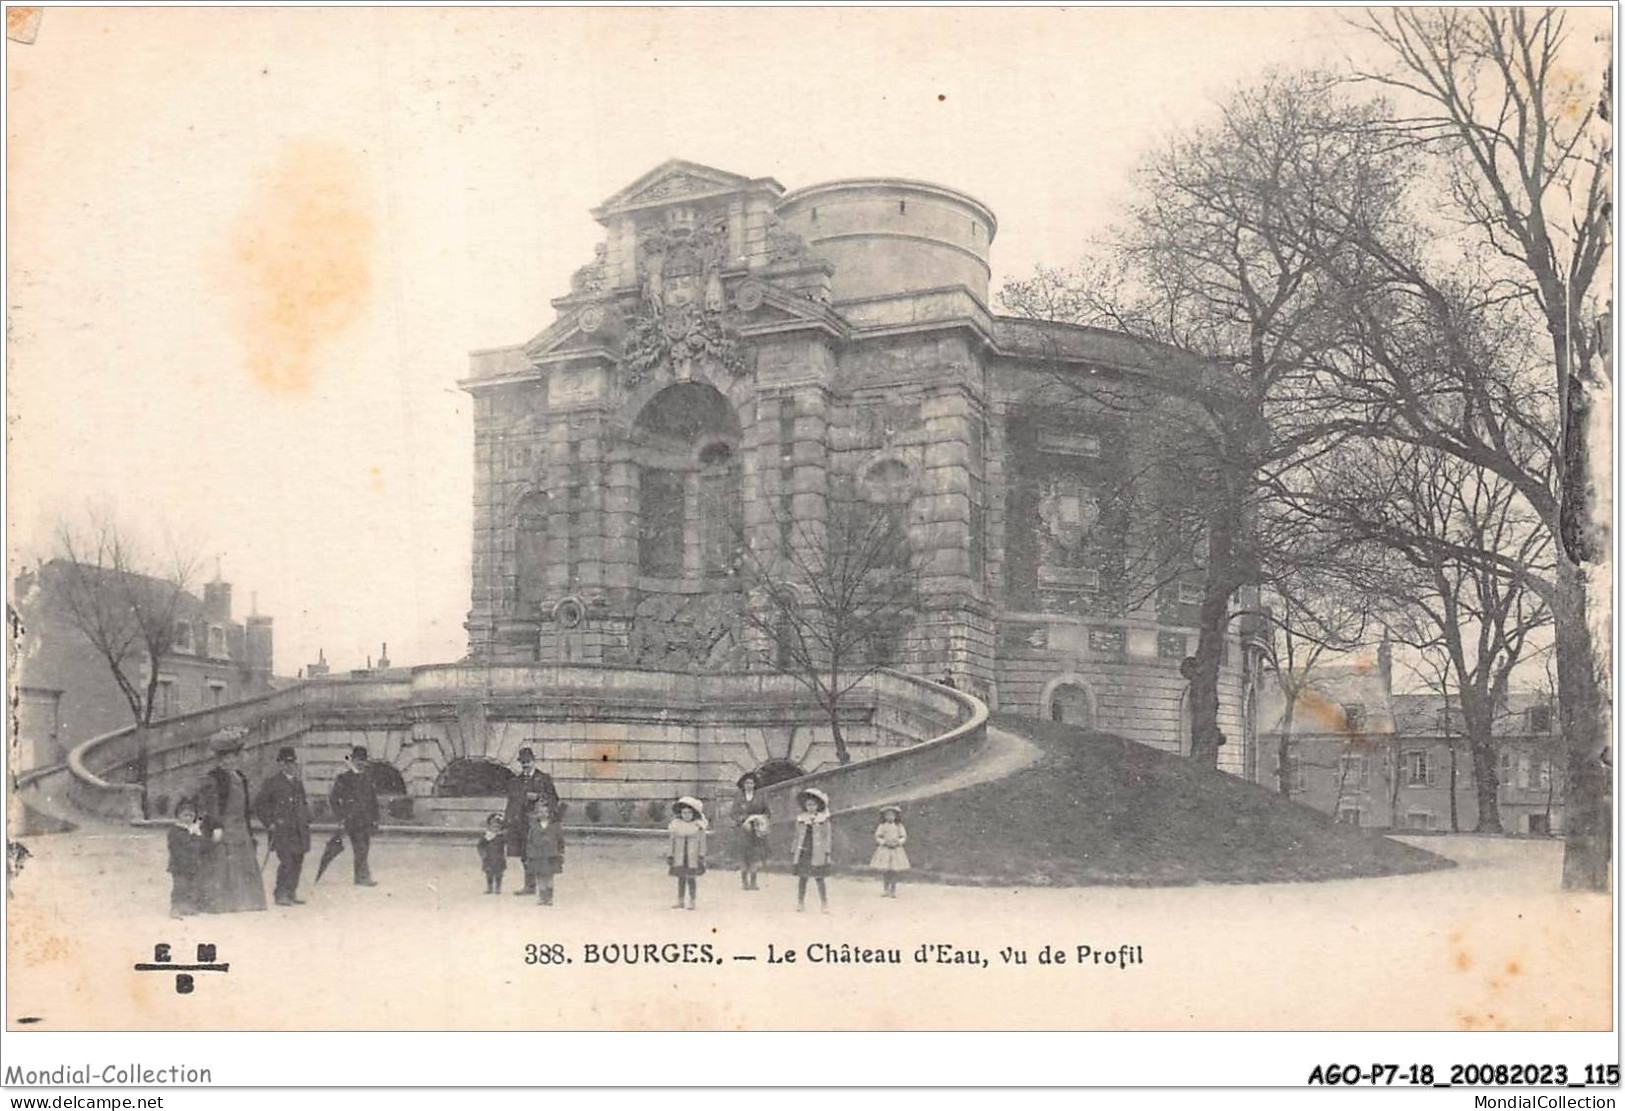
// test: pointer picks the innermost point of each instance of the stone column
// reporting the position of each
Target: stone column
(954, 631)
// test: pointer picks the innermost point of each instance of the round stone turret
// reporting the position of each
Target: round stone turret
(888, 236)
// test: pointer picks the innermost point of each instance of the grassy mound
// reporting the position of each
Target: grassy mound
(1096, 809)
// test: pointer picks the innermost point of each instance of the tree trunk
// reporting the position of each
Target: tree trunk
(141, 731)
(1211, 627)
(1455, 815)
(1283, 754)
(1224, 570)
(841, 753)
(1587, 826)
(1396, 756)
(1477, 717)
(1576, 522)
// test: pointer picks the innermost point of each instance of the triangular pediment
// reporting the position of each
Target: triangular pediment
(565, 337)
(679, 180)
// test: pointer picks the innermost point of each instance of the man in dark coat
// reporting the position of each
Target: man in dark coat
(283, 810)
(530, 787)
(355, 804)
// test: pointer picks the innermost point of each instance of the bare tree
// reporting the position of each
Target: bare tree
(1450, 363)
(1221, 262)
(1312, 617)
(832, 604)
(1473, 614)
(126, 603)
(1432, 667)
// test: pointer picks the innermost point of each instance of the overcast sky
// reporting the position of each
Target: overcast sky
(250, 250)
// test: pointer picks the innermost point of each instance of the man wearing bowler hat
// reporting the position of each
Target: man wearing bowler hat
(530, 787)
(355, 804)
(285, 813)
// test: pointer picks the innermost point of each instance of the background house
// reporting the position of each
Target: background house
(1374, 758)
(63, 691)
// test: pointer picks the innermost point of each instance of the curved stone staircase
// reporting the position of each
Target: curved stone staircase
(82, 790)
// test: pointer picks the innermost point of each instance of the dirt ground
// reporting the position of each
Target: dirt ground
(1492, 944)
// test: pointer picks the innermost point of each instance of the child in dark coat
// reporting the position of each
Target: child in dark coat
(813, 846)
(186, 847)
(544, 852)
(493, 854)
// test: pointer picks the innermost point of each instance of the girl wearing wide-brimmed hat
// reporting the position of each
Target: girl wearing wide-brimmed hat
(750, 818)
(685, 855)
(889, 858)
(813, 844)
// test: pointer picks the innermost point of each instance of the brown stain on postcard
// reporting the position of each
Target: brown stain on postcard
(299, 263)
(22, 24)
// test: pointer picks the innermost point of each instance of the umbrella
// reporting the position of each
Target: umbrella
(330, 853)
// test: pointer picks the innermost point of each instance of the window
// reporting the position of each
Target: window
(1171, 646)
(217, 642)
(183, 636)
(1354, 716)
(660, 523)
(1348, 814)
(1505, 768)
(166, 702)
(1540, 774)
(1190, 594)
(721, 513)
(530, 547)
(214, 692)
(1353, 771)
(978, 540)
(1540, 719)
(1540, 823)
(787, 427)
(1419, 819)
(1419, 771)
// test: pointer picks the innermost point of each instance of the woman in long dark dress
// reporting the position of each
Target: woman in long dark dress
(750, 819)
(230, 877)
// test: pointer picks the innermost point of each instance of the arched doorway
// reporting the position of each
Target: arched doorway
(467, 777)
(777, 771)
(385, 778)
(690, 512)
(1070, 702)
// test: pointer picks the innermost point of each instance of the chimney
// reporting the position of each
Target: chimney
(259, 652)
(1385, 663)
(383, 657)
(217, 602)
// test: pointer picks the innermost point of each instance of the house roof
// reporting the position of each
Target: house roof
(1325, 703)
(1421, 715)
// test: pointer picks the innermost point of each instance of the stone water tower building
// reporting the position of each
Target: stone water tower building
(736, 357)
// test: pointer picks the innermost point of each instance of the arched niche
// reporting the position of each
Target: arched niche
(777, 771)
(386, 779)
(470, 777)
(531, 562)
(1069, 700)
(690, 507)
